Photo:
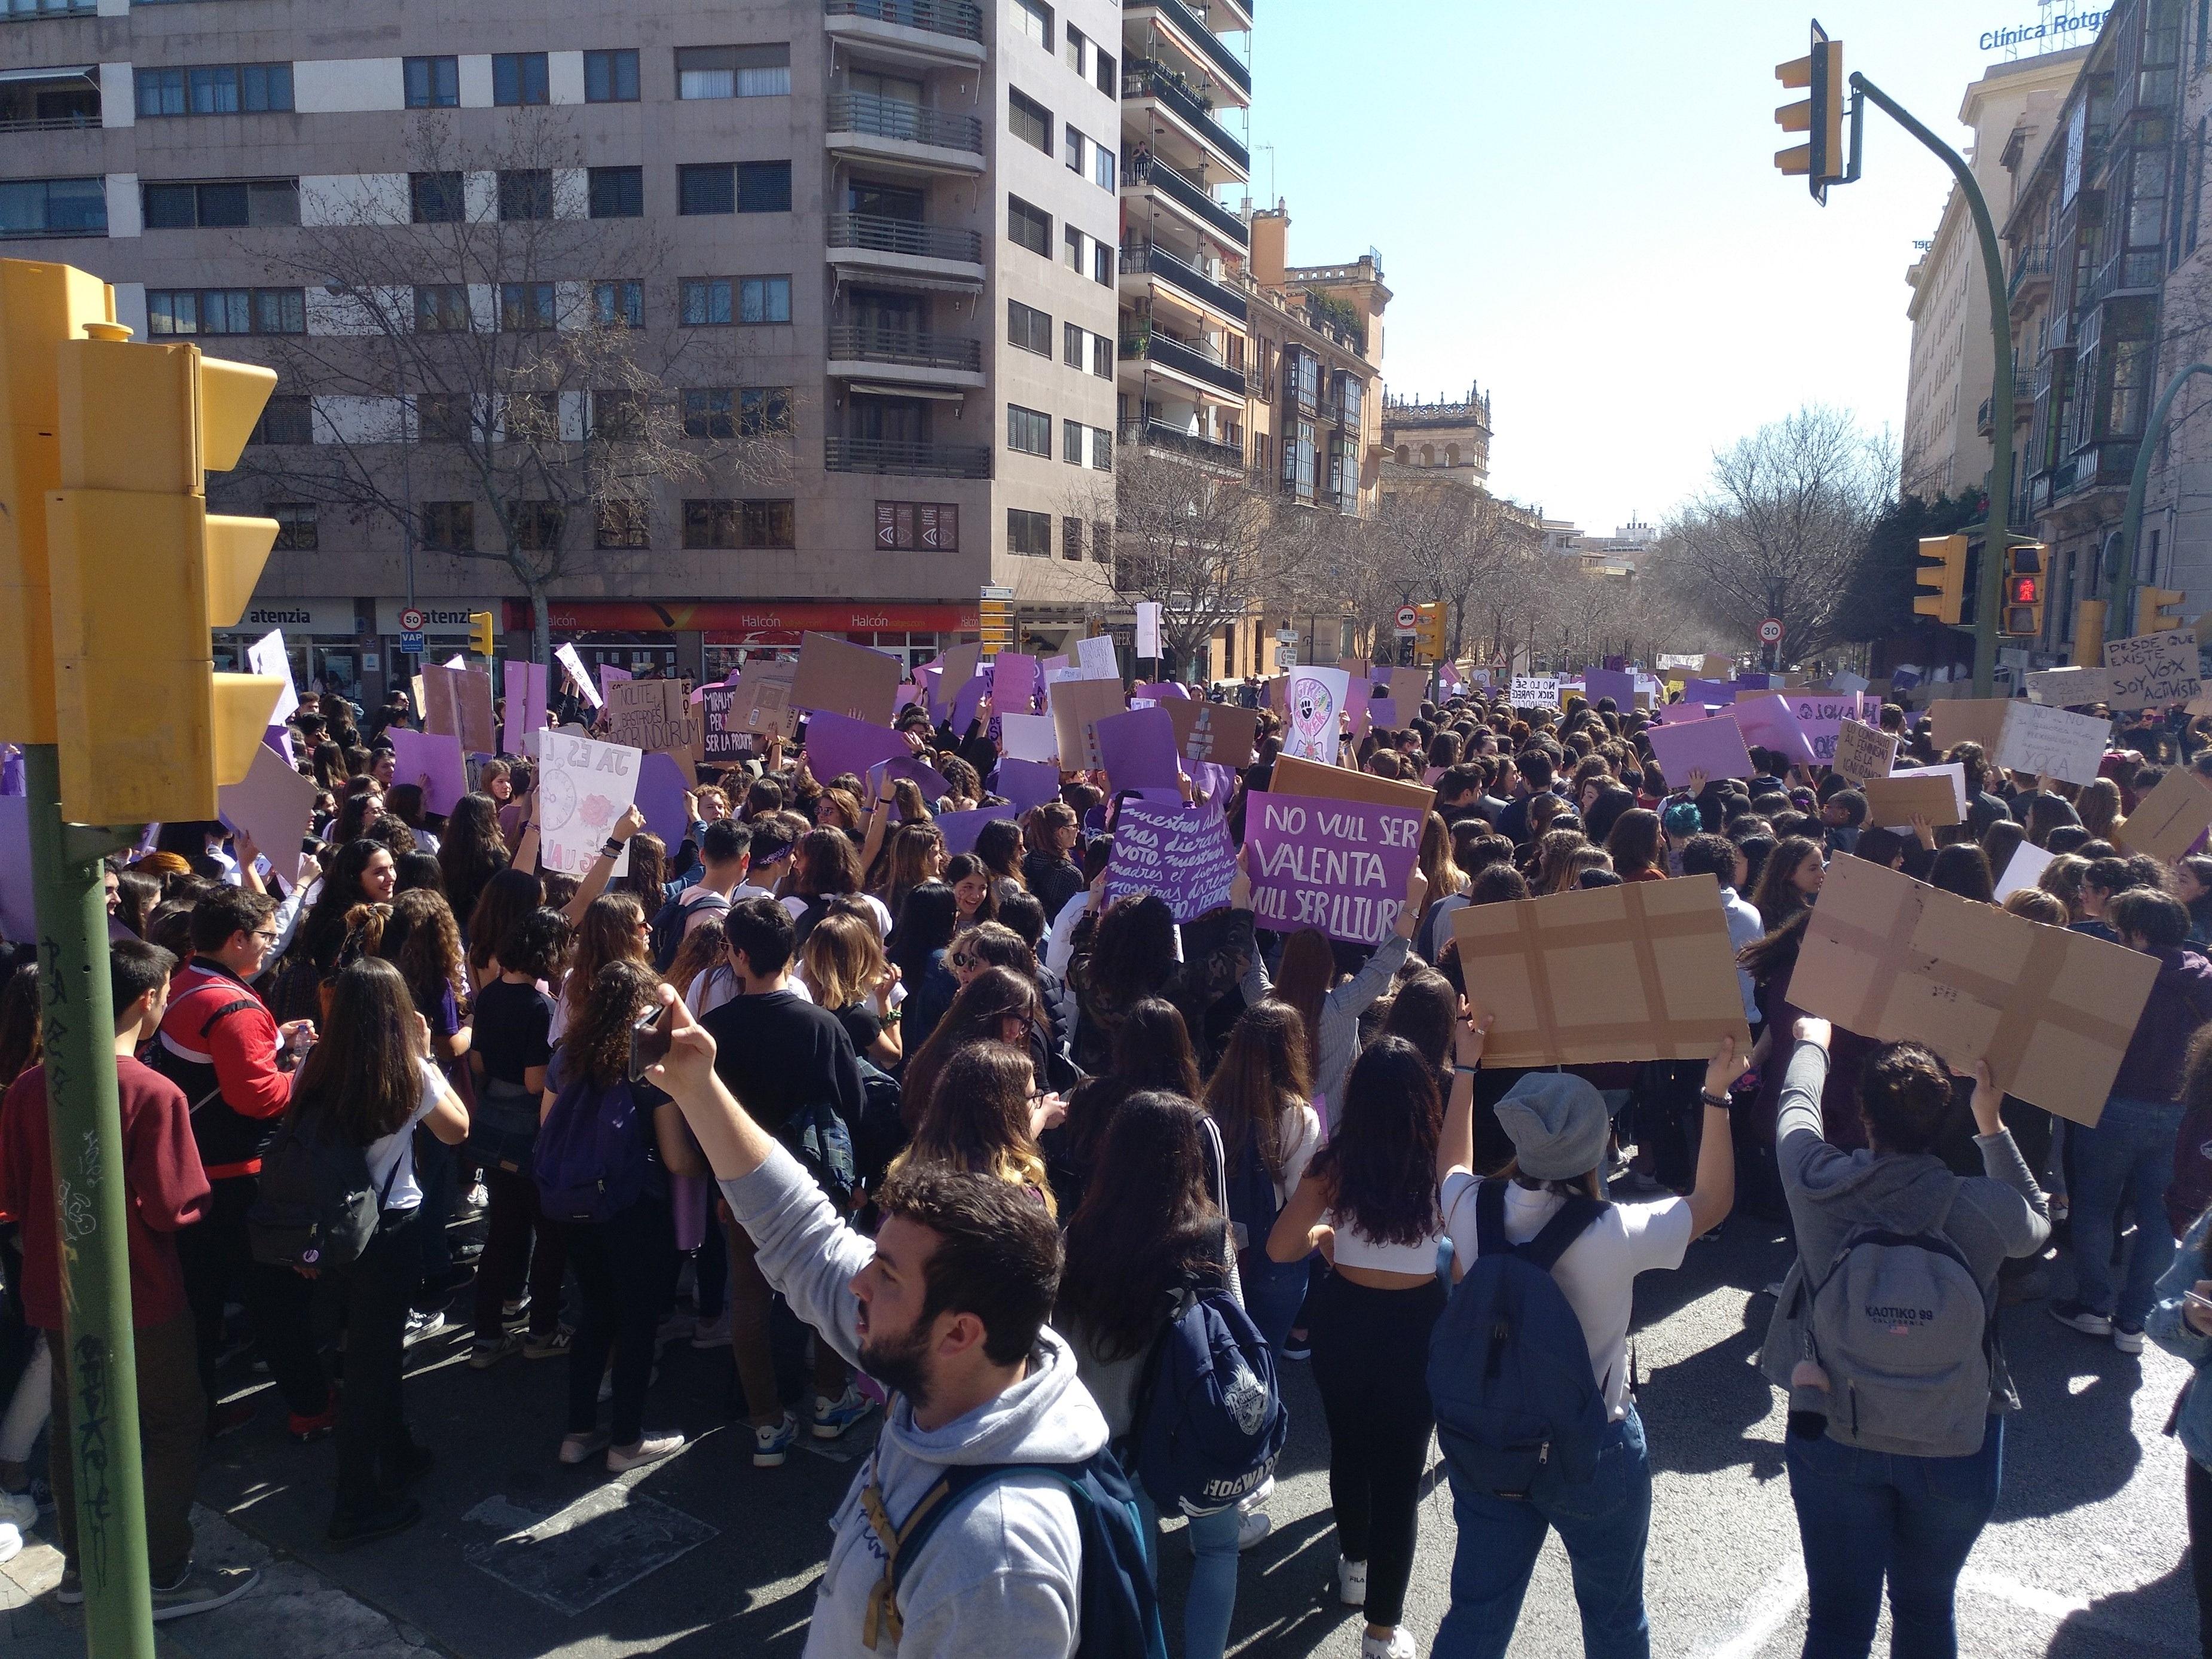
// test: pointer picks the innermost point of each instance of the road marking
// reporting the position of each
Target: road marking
(2061, 1608)
(1769, 1610)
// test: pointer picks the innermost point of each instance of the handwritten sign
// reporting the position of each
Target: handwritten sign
(1534, 691)
(583, 788)
(1339, 865)
(1317, 696)
(1863, 751)
(2152, 670)
(2036, 740)
(2070, 688)
(1180, 854)
(1821, 716)
(652, 715)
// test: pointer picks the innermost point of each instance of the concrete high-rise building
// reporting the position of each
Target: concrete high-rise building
(885, 232)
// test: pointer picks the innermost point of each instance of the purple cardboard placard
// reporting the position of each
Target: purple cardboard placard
(1339, 865)
(1821, 715)
(1180, 852)
(964, 701)
(609, 674)
(1615, 665)
(1714, 747)
(1015, 683)
(18, 897)
(432, 754)
(1028, 783)
(961, 828)
(1359, 704)
(1210, 782)
(1383, 712)
(1158, 690)
(525, 705)
(661, 788)
(836, 743)
(933, 783)
(1609, 682)
(1719, 691)
(1772, 723)
(1680, 713)
(1138, 750)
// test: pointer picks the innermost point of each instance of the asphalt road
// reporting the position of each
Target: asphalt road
(706, 1554)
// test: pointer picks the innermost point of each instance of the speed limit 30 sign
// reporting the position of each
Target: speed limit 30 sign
(1770, 631)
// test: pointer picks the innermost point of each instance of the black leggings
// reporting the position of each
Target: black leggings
(2197, 1484)
(1371, 1360)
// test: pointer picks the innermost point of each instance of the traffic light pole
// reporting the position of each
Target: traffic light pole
(91, 1205)
(1988, 599)
(2122, 612)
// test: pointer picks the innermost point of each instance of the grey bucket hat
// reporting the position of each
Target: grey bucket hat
(1558, 1124)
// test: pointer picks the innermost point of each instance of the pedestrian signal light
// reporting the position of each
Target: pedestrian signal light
(2151, 606)
(1428, 633)
(480, 633)
(142, 572)
(2023, 596)
(1819, 117)
(1946, 576)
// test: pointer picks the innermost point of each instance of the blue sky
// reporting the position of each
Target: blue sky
(1576, 205)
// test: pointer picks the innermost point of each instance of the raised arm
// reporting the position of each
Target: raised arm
(602, 867)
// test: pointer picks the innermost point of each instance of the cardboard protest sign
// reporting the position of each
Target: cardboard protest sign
(2168, 822)
(1408, 687)
(2036, 740)
(1894, 801)
(583, 786)
(1967, 720)
(525, 704)
(272, 805)
(1821, 715)
(1714, 747)
(1029, 737)
(2025, 870)
(1095, 656)
(840, 677)
(1534, 691)
(1293, 776)
(1383, 712)
(2070, 688)
(2152, 670)
(1337, 866)
(661, 786)
(835, 745)
(1659, 950)
(653, 716)
(1863, 751)
(1077, 705)
(968, 702)
(761, 700)
(266, 655)
(1015, 683)
(1770, 723)
(1213, 732)
(1601, 682)
(1138, 749)
(459, 703)
(1180, 852)
(1317, 696)
(2052, 1012)
(1148, 630)
(956, 668)
(723, 743)
(434, 756)
(1848, 682)
(1680, 714)
(1029, 783)
(1714, 667)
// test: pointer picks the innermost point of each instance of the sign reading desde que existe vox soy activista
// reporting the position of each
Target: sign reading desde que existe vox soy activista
(1339, 865)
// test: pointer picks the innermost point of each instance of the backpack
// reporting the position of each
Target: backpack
(1117, 1607)
(590, 1159)
(671, 922)
(1903, 1331)
(1252, 1206)
(880, 1135)
(1508, 1361)
(503, 1125)
(820, 1140)
(1210, 1421)
(313, 1206)
(196, 1078)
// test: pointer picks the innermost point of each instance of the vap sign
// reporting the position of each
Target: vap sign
(2033, 34)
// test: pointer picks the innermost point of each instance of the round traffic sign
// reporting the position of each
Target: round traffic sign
(1408, 616)
(1770, 632)
(411, 621)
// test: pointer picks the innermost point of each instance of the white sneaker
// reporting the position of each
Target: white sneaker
(11, 1540)
(714, 1332)
(19, 1509)
(649, 1449)
(1352, 1582)
(1252, 1526)
(1398, 1644)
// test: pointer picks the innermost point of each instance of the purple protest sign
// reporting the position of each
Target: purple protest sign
(1383, 712)
(1772, 723)
(417, 755)
(1339, 865)
(919, 772)
(1609, 682)
(1138, 750)
(961, 828)
(1714, 747)
(1822, 714)
(1680, 714)
(609, 674)
(1029, 783)
(1180, 852)
(965, 703)
(18, 896)
(1709, 691)
(1015, 683)
(661, 788)
(836, 743)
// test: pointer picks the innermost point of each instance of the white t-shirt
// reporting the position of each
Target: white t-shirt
(398, 1147)
(1598, 1272)
(718, 985)
(1300, 1130)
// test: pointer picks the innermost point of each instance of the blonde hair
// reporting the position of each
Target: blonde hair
(843, 959)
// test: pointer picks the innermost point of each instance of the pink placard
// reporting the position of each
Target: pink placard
(835, 745)
(417, 755)
(1771, 723)
(1138, 750)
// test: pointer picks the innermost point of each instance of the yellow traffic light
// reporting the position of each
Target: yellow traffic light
(2151, 605)
(1429, 632)
(480, 633)
(2021, 615)
(995, 616)
(1819, 159)
(1948, 578)
(142, 571)
(42, 305)
(2088, 635)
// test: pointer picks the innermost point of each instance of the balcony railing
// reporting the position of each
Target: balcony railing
(1231, 68)
(2032, 262)
(960, 18)
(1158, 434)
(23, 11)
(1142, 77)
(912, 460)
(52, 124)
(1200, 363)
(877, 116)
(853, 342)
(1173, 271)
(879, 234)
(1172, 184)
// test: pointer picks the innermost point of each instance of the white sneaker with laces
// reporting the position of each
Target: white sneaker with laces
(1398, 1644)
(19, 1509)
(1352, 1582)
(649, 1449)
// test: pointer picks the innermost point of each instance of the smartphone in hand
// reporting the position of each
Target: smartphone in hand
(648, 1043)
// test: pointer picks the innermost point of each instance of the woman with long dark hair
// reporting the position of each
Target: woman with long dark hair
(1260, 1096)
(506, 898)
(614, 929)
(984, 1116)
(370, 1079)
(1151, 1051)
(1964, 869)
(827, 866)
(470, 852)
(916, 856)
(999, 1004)
(1368, 1201)
(1636, 846)
(1052, 832)
(1789, 881)
(1128, 954)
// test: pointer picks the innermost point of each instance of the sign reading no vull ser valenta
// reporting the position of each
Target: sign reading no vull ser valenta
(1339, 865)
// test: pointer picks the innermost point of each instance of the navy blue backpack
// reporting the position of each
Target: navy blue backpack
(590, 1159)
(1508, 1364)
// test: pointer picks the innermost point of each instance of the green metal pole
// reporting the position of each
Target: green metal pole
(2121, 622)
(91, 1205)
(1989, 600)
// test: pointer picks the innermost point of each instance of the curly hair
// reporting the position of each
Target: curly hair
(423, 939)
(1382, 1165)
(597, 1040)
(1906, 1096)
(612, 930)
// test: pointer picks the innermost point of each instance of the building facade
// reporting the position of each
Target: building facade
(888, 234)
(1450, 436)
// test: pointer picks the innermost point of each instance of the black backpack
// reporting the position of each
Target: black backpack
(880, 1135)
(816, 908)
(315, 1207)
(671, 922)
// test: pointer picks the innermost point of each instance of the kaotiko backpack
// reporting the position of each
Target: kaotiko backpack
(590, 1159)
(1509, 1363)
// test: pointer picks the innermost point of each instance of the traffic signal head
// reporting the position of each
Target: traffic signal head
(1819, 159)
(2088, 633)
(481, 639)
(2021, 615)
(142, 572)
(2151, 605)
(1429, 632)
(1947, 577)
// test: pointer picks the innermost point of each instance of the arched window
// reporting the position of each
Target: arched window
(1405, 453)
(1451, 454)
(1428, 455)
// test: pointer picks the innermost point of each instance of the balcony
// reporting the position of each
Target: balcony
(1158, 434)
(1157, 262)
(890, 130)
(1142, 78)
(902, 355)
(1199, 363)
(1193, 199)
(1188, 26)
(905, 252)
(2031, 274)
(955, 19)
(907, 459)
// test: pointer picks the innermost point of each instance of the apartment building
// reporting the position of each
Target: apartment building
(884, 234)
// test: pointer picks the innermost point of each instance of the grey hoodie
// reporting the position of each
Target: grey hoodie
(1339, 1017)
(1834, 1193)
(1001, 1573)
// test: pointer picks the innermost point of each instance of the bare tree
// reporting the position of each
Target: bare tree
(477, 335)
(1198, 541)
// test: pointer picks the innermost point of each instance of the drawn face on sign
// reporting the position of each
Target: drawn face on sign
(1313, 713)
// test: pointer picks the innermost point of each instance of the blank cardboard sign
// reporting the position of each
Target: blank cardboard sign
(839, 677)
(2167, 821)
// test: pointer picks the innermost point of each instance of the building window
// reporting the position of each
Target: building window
(286, 420)
(1071, 246)
(537, 525)
(1074, 45)
(441, 309)
(230, 204)
(530, 417)
(187, 310)
(433, 83)
(1029, 227)
(1101, 449)
(53, 207)
(620, 304)
(524, 307)
(519, 78)
(1029, 431)
(214, 90)
(610, 77)
(617, 192)
(443, 417)
(618, 417)
(1071, 528)
(725, 524)
(1103, 264)
(1102, 356)
(436, 198)
(764, 300)
(1102, 167)
(296, 528)
(763, 186)
(706, 300)
(1071, 442)
(710, 413)
(1102, 535)
(733, 71)
(1029, 328)
(1107, 82)
(526, 193)
(625, 523)
(1034, 19)
(1028, 121)
(1070, 345)
(748, 187)
(449, 527)
(1029, 535)
(1072, 149)
(708, 188)
(764, 412)
(918, 526)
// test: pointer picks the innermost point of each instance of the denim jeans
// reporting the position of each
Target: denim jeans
(2129, 1153)
(1273, 1292)
(1864, 1516)
(1604, 1522)
(1213, 1600)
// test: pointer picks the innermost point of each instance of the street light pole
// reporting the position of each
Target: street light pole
(2121, 615)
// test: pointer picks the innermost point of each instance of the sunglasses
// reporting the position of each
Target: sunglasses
(961, 959)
